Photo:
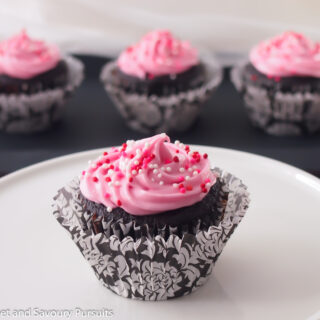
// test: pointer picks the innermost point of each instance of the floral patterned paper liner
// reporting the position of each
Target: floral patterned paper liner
(153, 269)
(155, 114)
(276, 112)
(25, 113)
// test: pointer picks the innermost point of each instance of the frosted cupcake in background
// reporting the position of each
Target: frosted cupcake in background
(152, 217)
(160, 83)
(35, 80)
(280, 85)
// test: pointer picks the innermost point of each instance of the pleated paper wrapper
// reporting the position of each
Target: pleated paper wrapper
(27, 113)
(276, 112)
(156, 114)
(152, 268)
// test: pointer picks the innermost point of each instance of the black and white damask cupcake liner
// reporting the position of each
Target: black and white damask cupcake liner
(153, 269)
(278, 113)
(155, 114)
(27, 113)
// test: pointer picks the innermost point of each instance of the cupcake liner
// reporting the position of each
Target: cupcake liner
(27, 113)
(153, 269)
(156, 114)
(276, 112)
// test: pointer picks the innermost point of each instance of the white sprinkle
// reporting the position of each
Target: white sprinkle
(104, 166)
(177, 142)
(110, 184)
(195, 172)
(136, 162)
(190, 169)
(155, 165)
(161, 183)
(117, 183)
(89, 162)
(138, 152)
(187, 177)
(194, 167)
(163, 168)
(181, 145)
(163, 135)
(182, 170)
(109, 209)
(168, 169)
(134, 172)
(159, 175)
(147, 145)
(150, 165)
(110, 171)
(100, 158)
(152, 179)
(175, 185)
(155, 171)
(94, 166)
(208, 185)
(140, 170)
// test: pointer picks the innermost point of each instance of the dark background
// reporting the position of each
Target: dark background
(91, 121)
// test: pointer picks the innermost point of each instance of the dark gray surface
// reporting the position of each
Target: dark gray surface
(91, 122)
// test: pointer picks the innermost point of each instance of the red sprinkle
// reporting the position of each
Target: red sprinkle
(189, 188)
(175, 159)
(120, 175)
(177, 151)
(167, 161)
(111, 166)
(204, 190)
(119, 203)
(202, 185)
(182, 190)
(107, 195)
(99, 164)
(95, 179)
(130, 179)
(181, 185)
(205, 156)
(124, 146)
(105, 153)
(108, 179)
(131, 156)
(107, 161)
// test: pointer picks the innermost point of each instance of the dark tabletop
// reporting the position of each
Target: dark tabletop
(91, 121)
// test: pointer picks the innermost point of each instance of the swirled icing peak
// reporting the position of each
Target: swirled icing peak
(148, 176)
(157, 53)
(289, 54)
(23, 58)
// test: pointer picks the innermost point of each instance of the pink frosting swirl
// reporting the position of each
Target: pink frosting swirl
(157, 53)
(148, 176)
(24, 58)
(289, 54)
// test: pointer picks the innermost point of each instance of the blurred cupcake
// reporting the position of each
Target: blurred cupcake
(35, 81)
(280, 85)
(160, 83)
(152, 217)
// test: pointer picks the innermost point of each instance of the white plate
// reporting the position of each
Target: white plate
(270, 269)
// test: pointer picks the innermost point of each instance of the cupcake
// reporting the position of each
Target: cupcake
(160, 83)
(35, 80)
(280, 85)
(151, 217)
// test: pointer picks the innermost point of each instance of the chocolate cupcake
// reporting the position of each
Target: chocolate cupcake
(35, 81)
(160, 83)
(151, 205)
(280, 85)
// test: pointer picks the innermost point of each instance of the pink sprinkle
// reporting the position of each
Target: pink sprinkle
(83, 172)
(186, 167)
(95, 179)
(167, 161)
(124, 154)
(198, 170)
(207, 180)
(193, 161)
(181, 179)
(116, 169)
(182, 190)
(120, 175)
(107, 195)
